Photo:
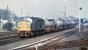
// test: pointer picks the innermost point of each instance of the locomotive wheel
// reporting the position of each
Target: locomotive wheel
(28, 34)
(25, 34)
(32, 34)
(37, 33)
(40, 32)
(20, 35)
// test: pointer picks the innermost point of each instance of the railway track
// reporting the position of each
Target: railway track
(8, 39)
(45, 44)
(12, 37)
(56, 46)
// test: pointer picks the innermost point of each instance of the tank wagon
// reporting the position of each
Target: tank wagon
(50, 25)
(68, 24)
(30, 26)
(59, 25)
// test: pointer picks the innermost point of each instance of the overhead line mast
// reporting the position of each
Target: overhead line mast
(65, 11)
(21, 12)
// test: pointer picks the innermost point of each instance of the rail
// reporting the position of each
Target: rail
(43, 44)
(44, 41)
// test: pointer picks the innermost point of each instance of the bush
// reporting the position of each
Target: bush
(8, 26)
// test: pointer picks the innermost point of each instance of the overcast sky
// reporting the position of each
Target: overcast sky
(46, 8)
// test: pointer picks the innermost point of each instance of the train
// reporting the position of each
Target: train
(33, 26)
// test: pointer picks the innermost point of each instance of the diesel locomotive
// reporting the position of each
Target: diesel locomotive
(30, 26)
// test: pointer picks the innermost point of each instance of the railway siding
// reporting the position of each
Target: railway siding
(68, 44)
(44, 41)
(30, 40)
(54, 43)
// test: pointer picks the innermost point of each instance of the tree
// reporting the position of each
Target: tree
(8, 26)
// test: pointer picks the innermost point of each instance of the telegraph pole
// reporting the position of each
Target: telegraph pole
(7, 13)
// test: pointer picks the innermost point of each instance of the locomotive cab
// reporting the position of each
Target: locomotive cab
(31, 26)
(24, 28)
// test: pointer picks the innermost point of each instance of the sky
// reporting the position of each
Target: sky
(46, 8)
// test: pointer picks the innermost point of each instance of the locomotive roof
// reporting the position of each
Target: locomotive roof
(36, 18)
(33, 19)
